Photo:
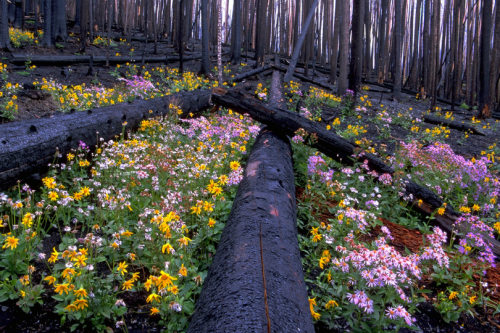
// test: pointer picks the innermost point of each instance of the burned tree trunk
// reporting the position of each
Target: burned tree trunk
(296, 51)
(20, 59)
(236, 45)
(458, 125)
(258, 258)
(18, 13)
(484, 62)
(337, 148)
(4, 26)
(205, 57)
(344, 48)
(256, 71)
(26, 147)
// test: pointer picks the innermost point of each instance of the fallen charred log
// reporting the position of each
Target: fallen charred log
(452, 124)
(26, 147)
(258, 258)
(408, 91)
(255, 282)
(242, 76)
(305, 79)
(19, 59)
(337, 148)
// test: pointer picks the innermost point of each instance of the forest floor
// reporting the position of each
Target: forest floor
(385, 135)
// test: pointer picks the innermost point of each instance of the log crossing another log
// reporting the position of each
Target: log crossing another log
(305, 79)
(337, 148)
(452, 124)
(242, 76)
(255, 282)
(27, 147)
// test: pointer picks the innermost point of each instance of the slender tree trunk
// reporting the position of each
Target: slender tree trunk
(381, 44)
(180, 40)
(344, 48)
(219, 41)
(4, 26)
(61, 31)
(434, 59)
(298, 46)
(48, 34)
(18, 13)
(495, 57)
(356, 46)
(205, 47)
(335, 42)
(368, 31)
(484, 62)
(396, 92)
(236, 46)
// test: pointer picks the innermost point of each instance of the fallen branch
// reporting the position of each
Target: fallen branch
(452, 124)
(337, 148)
(26, 147)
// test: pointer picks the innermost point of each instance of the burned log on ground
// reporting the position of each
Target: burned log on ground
(305, 79)
(452, 124)
(19, 59)
(337, 148)
(26, 147)
(407, 91)
(242, 76)
(255, 282)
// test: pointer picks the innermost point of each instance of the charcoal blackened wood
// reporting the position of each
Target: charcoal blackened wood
(256, 71)
(20, 59)
(26, 147)
(256, 283)
(305, 79)
(335, 147)
(452, 124)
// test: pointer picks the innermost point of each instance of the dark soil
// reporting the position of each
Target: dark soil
(429, 320)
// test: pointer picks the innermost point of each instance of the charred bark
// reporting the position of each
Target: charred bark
(26, 147)
(20, 59)
(4, 26)
(296, 51)
(337, 148)
(205, 47)
(256, 71)
(258, 258)
(304, 78)
(452, 124)
(484, 62)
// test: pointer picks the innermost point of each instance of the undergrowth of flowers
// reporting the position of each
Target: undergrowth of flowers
(362, 279)
(140, 215)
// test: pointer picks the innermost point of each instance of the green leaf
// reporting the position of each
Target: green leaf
(424, 291)
(59, 298)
